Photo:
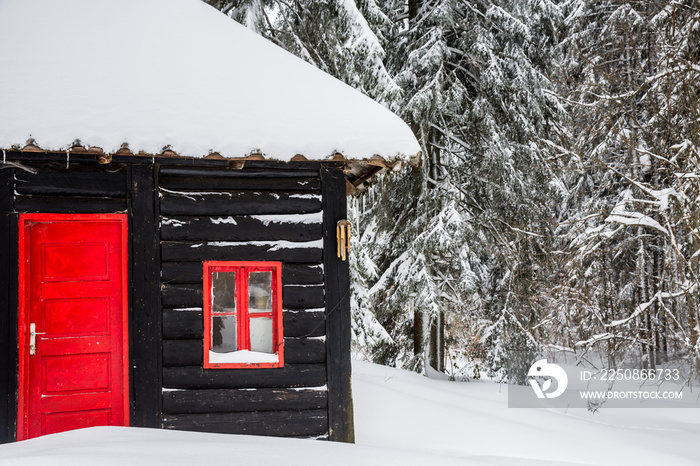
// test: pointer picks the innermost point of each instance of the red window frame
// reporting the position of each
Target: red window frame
(243, 269)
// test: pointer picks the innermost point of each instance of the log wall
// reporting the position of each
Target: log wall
(232, 216)
(181, 213)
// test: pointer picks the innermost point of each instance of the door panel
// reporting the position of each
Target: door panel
(60, 422)
(73, 292)
(84, 262)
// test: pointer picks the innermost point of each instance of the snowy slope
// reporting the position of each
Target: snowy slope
(155, 73)
(402, 419)
(472, 420)
(118, 446)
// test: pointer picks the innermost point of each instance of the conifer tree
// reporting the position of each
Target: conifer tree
(334, 35)
(468, 243)
(631, 216)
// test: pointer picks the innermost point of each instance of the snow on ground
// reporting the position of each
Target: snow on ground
(471, 419)
(402, 418)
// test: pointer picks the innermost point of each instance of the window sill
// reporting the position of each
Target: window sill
(242, 359)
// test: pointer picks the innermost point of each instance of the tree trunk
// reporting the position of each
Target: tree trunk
(436, 344)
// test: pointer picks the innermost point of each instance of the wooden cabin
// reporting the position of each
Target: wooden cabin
(173, 251)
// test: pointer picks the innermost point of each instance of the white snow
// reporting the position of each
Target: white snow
(407, 412)
(402, 418)
(229, 220)
(173, 222)
(636, 219)
(622, 216)
(296, 311)
(178, 73)
(191, 194)
(272, 245)
(242, 356)
(320, 388)
(316, 217)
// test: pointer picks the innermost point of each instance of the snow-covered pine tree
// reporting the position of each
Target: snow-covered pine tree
(631, 219)
(334, 35)
(368, 333)
(257, 15)
(466, 238)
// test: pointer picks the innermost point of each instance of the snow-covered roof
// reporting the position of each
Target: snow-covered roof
(177, 73)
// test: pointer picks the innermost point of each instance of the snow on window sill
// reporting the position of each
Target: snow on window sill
(243, 356)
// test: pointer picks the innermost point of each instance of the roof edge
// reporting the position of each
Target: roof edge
(77, 147)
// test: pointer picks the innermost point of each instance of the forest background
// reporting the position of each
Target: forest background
(556, 208)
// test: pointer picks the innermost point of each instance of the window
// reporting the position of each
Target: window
(243, 314)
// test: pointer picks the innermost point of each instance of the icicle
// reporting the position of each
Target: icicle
(67, 159)
(4, 156)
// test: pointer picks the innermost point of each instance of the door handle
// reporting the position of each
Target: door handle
(32, 338)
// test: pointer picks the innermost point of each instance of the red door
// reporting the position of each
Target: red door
(73, 348)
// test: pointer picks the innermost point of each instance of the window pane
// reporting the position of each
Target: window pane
(261, 334)
(223, 292)
(223, 334)
(259, 292)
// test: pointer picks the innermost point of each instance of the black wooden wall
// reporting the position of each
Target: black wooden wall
(243, 215)
(8, 319)
(50, 183)
(182, 212)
